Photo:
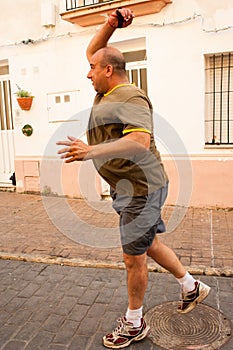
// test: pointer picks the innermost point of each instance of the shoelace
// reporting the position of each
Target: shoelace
(185, 294)
(119, 328)
(181, 292)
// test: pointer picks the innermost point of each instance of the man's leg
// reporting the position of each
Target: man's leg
(166, 258)
(137, 279)
(193, 291)
(132, 326)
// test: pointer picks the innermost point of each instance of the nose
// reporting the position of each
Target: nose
(89, 75)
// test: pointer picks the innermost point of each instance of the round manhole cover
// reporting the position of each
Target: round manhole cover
(202, 329)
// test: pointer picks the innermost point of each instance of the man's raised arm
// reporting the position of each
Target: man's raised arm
(118, 19)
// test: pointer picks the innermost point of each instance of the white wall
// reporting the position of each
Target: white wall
(176, 61)
(54, 63)
(175, 54)
(44, 72)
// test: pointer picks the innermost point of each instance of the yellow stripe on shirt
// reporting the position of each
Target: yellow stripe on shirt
(116, 87)
(136, 129)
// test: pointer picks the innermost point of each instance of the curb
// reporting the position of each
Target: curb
(152, 267)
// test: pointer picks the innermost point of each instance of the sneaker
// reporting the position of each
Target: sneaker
(190, 299)
(125, 334)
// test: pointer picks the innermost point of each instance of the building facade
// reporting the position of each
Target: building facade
(180, 52)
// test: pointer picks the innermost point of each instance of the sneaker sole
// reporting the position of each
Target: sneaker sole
(145, 333)
(204, 293)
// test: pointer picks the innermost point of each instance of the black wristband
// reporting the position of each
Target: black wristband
(120, 19)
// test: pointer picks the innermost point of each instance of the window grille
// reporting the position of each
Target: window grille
(137, 74)
(136, 68)
(219, 99)
(75, 4)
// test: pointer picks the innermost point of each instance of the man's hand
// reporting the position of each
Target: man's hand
(102, 36)
(75, 150)
(121, 18)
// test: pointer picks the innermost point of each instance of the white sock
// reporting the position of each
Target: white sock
(187, 282)
(134, 316)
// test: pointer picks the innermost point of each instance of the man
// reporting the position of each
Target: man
(122, 147)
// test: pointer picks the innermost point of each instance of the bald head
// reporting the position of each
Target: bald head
(107, 69)
(111, 55)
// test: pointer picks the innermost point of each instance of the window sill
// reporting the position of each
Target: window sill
(96, 14)
(218, 146)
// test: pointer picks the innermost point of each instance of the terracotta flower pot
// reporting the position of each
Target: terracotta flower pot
(25, 103)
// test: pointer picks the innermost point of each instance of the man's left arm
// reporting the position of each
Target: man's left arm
(130, 144)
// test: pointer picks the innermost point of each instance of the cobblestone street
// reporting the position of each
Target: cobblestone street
(61, 307)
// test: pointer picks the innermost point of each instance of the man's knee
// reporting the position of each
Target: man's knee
(134, 261)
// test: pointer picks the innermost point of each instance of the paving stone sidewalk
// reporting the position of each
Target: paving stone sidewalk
(80, 233)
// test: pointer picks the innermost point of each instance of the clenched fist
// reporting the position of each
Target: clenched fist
(121, 18)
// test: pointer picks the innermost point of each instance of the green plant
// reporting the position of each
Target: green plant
(23, 93)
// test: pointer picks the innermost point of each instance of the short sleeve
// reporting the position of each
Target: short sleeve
(136, 115)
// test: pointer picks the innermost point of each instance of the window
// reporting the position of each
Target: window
(136, 68)
(219, 99)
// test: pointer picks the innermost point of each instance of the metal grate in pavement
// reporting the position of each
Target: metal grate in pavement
(204, 328)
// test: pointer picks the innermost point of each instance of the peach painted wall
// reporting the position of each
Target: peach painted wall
(193, 182)
(208, 183)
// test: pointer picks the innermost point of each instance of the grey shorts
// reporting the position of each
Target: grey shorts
(140, 219)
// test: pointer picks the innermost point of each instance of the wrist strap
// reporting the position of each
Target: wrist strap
(120, 19)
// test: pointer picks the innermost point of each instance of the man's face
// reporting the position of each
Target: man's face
(97, 74)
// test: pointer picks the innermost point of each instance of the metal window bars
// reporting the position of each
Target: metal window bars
(219, 99)
(75, 4)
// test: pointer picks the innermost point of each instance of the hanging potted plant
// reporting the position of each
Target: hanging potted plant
(24, 99)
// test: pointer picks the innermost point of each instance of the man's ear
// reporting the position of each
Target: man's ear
(109, 70)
